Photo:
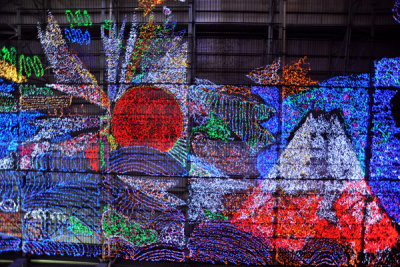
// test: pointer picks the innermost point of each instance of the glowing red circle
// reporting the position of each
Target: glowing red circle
(147, 116)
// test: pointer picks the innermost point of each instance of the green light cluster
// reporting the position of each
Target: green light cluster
(7, 104)
(115, 224)
(215, 216)
(107, 24)
(102, 157)
(77, 227)
(152, 38)
(215, 128)
(28, 89)
(384, 133)
(9, 55)
(78, 19)
(27, 64)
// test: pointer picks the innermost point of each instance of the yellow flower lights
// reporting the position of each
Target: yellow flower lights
(9, 71)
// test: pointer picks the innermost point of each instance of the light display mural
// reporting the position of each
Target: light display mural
(289, 171)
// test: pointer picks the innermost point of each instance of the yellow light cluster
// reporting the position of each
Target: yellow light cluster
(9, 72)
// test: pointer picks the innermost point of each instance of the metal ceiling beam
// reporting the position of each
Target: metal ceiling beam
(193, 40)
(270, 30)
(282, 32)
(350, 16)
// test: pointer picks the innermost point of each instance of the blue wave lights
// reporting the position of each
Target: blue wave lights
(289, 171)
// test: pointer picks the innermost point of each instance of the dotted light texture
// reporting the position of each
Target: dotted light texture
(149, 5)
(345, 94)
(384, 168)
(293, 78)
(82, 191)
(68, 68)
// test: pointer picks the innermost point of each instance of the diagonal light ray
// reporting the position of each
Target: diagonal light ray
(72, 76)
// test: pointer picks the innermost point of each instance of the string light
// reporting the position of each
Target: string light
(15, 128)
(31, 89)
(142, 45)
(76, 36)
(8, 105)
(316, 252)
(170, 68)
(215, 129)
(118, 225)
(157, 189)
(50, 144)
(166, 11)
(228, 157)
(327, 209)
(207, 196)
(7, 101)
(7, 88)
(77, 19)
(131, 160)
(26, 65)
(220, 242)
(385, 151)
(387, 72)
(149, 5)
(112, 49)
(88, 58)
(128, 53)
(118, 247)
(293, 79)
(150, 108)
(44, 102)
(68, 68)
(9, 72)
(152, 220)
(107, 24)
(267, 75)
(342, 93)
(9, 55)
(239, 113)
(395, 10)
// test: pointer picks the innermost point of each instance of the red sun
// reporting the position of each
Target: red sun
(147, 116)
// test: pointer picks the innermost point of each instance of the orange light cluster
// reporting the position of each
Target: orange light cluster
(235, 90)
(268, 75)
(293, 77)
(149, 5)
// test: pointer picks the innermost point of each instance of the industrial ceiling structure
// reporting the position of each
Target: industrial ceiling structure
(229, 38)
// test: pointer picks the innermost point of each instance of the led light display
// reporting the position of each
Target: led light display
(149, 5)
(293, 78)
(78, 18)
(395, 10)
(146, 167)
(29, 66)
(9, 55)
(76, 36)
